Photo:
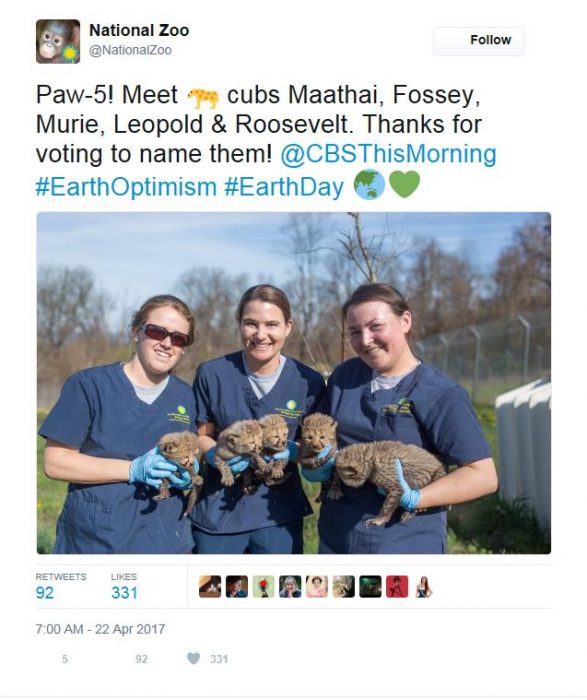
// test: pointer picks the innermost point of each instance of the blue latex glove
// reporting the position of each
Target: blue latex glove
(293, 450)
(323, 473)
(410, 497)
(290, 453)
(150, 468)
(182, 479)
(237, 464)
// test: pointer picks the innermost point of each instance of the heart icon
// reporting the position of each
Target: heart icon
(404, 184)
(193, 657)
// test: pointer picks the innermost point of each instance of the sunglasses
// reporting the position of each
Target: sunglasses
(158, 333)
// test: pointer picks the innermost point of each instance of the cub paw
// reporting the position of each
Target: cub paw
(406, 515)
(163, 492)
(375, 521)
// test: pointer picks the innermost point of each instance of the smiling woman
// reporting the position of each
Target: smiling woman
(102, 435)
(387, 393)
(250, 384)
(263, 329)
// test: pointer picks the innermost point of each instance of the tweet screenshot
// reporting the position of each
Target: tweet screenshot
(283, 324)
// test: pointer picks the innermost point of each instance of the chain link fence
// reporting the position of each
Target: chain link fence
(493, 357)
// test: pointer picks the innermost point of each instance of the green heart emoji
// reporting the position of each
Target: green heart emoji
(404, 184)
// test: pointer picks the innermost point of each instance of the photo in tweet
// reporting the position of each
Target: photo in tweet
(334, 366)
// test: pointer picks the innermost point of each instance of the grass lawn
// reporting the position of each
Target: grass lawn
(50, 497)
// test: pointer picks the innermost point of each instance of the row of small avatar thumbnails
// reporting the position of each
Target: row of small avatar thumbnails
(317, 586)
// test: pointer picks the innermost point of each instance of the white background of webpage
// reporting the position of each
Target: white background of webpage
(523, 611)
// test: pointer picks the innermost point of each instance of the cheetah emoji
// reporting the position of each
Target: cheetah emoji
(202, 95)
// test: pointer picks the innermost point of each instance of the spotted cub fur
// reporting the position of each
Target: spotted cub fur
(181, 448)
(275, 432)
(375, 461)
(318, 431)
(245, 437)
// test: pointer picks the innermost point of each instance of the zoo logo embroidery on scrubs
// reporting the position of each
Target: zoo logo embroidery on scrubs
(290, 410)
(403, 406)
(180, 416)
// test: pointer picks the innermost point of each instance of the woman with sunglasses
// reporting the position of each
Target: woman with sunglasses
(252, 383)
(102, 435)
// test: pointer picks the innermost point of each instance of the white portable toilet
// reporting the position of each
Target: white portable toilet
(540, 411)
(523, 440)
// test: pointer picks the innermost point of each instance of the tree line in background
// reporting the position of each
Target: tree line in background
(445, 291)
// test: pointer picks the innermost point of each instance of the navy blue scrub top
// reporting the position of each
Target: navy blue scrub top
(425, 408)
(223, 396)
(99, 413)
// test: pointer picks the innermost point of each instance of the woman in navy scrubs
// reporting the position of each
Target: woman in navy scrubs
(102, 435)
(252, 383)
(386, 393)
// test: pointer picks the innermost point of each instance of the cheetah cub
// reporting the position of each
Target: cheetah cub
(274, 440)
(375, 461)
(245, 437)
(181, 448)
(318, 431)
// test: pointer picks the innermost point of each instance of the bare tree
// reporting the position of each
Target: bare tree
(304, 236)
(68, 304)
(71, 327)
(212, 295)
(372, 254)
(523, 271)
(339, 279)
(442, 289)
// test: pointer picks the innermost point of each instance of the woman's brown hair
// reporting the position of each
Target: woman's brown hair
(267, 293)
(378, 291)
(139, 317)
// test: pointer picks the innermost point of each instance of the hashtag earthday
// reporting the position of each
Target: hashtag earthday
(284, 187)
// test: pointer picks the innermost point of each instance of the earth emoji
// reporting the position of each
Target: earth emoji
(369, 184)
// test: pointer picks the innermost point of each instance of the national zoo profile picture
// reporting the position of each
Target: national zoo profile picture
(58, 41)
